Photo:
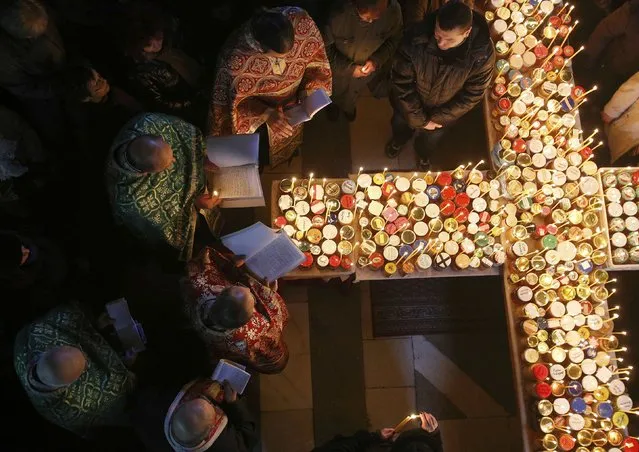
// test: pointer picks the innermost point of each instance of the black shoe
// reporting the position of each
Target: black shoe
(392, 149)
(424, 165)
(332, 111)
(350, 117)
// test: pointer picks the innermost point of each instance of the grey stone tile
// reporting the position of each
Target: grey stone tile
(386, 407)
(293, 292)
(388, 363)
(430, 399)
(369, 134)
(476, 435)
(367, 315)
(297, 332)
(287, 431)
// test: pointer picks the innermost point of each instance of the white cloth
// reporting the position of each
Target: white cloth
(623, 131)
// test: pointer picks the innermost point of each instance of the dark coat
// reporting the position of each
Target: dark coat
(363, 441)
(239, 435)
(350, 41)
(430, 85)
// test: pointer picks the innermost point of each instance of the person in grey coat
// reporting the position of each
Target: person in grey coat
(361, 37)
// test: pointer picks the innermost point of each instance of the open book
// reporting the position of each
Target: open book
(127, 329)
(238, 179)
(232, 372)
(269, 254)
(305, 111)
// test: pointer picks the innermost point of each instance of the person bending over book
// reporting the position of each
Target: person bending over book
(236, 315)
(427, 438)
(203, 415)
(273, 62)
(156, 181)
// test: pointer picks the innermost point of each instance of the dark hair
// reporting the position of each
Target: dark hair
(227, 311)
(454, 14)
(367, 5)
(24, 18)
(76, 80)
(10, 252)
(143, 21)
(273, 31)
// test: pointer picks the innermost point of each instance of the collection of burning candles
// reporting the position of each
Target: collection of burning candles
(556, 239)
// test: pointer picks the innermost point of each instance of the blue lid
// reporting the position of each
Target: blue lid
(578, 405)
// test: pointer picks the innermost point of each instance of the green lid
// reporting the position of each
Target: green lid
(549, 242)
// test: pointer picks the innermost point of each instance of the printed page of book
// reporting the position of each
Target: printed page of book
(249, 241)
(229, 371)
(233, 150)
(276, 259)
(238, 182)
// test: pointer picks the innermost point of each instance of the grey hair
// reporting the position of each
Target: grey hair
(24, 19)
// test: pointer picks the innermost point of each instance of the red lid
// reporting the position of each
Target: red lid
(484, 227)
(448, 192)
(543, 390)
(557, 51)
(551, 229)
(540, 230)
(558, 61)
(445, 178)
(630, 445)
(540, 371)
(447, 208)
(347, 263)
(484, 216)
(504, 104)
(566, 18)
(541, 51)
(387, 189)
(563, 30)
(519, 145)
(317, 201)
(461, 215)
(578, 91)
(390, 228)
(347, 201)
(318, 221)
(548, 66)
(377, 260)
(545, 211)
(586, 308)
(334, 261)
(569, 51)
(560, 140)
(500, 89)
(309, 260)
(401, 223)
(635, 177)
(567, 442)
(280, 222)
(462, 199)
(555, 21)
(539, 198)
(586, 152)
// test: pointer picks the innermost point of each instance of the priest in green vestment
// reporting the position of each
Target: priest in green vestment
(71, 374)
(156, 181)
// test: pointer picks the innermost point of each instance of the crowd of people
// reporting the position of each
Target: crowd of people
(105, 111)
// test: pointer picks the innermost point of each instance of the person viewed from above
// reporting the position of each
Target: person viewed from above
(204, 415)
(611, 51)
(426, 438)
(621, 118)
(440, 72)
(71, 374)
(272, 62)
(361, 37)
(32, 56)
(235, 314)
(163, 77)
(156, 182)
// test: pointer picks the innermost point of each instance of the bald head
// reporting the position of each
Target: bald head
(24, 19)
(192, 421)
(233, 308)
(61, 366)
(150, 154)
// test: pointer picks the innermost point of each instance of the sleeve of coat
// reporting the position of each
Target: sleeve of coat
(246, 436)
(469, 96)
(339, 62)
(624, 98)
(609, 28)
(403, 87)
(388, 48)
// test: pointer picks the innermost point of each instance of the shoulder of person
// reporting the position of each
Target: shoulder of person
(339, 9)
(482, 45)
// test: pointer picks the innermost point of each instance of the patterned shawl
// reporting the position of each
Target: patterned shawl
(159, 207)
(258, 344)
(246, 87)
(99, 396)
(205, 388)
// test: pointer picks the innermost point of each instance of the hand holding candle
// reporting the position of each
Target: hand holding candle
(405, 421)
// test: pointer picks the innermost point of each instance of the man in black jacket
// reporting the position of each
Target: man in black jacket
(440, 72)
(424, 439)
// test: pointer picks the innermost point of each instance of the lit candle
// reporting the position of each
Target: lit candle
(598, 145)
(594, 88)
(573, 55)
(361, 168)
(562, 9)
(568, 34)
(323, 182)
(293, 182)
(310, 179)
(405, 421)
(215, 193)
(402, 258)
(384, 173)
(414, 176)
